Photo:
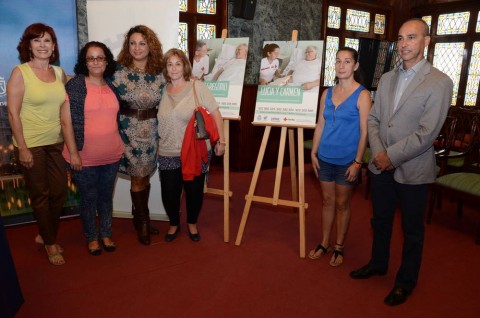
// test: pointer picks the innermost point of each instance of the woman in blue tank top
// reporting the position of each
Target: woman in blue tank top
(339, 141)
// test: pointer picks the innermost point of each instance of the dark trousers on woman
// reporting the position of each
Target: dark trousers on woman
(386, 192)
(46, 182)
(171, 182)
(96, 185)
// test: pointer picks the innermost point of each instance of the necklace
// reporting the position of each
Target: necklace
(138, 69)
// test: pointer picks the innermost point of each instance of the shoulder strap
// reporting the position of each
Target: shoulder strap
(195, 94)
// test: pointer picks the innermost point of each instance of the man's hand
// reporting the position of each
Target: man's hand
(382, 162)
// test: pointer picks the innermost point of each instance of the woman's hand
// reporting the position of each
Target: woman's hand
(352, 173)
(76, 162)
(25, 157)
(220, 148)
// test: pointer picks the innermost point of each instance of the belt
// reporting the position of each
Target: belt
(140, 114)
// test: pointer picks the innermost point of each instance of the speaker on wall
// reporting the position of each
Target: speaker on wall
(244, 9)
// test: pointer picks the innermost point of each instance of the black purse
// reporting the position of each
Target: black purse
(200, 132)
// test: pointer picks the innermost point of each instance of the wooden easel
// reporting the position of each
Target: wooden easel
(298, 196)
(226, 176)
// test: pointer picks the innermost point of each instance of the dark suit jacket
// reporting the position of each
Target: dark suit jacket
(407, 134)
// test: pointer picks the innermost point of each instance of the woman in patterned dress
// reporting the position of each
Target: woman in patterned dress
(140, 82)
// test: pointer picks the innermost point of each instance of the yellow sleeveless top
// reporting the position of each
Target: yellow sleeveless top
(40, 113)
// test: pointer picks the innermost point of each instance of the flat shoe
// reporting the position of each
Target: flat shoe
(96, 251)
(109, 247)
(171, 237)
(194, 237)
(318, 252)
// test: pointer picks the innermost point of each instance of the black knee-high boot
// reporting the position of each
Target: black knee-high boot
(141, 215)
(151, 229)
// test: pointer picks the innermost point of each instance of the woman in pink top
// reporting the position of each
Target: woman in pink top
(93, 146)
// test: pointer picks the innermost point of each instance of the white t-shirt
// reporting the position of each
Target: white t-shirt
(233, 71)
(267, 70)
(201, 67)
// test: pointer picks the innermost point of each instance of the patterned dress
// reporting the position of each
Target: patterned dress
(139, 91)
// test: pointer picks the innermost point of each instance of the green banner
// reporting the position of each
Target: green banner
(218, 88)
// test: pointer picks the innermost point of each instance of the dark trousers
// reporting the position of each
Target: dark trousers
(46, 182)
(386, 192)
(171, 182)
(96, 185)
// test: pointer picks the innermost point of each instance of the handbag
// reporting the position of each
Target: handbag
(200, 132)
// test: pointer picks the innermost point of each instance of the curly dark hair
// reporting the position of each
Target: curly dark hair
(155, 56)
(187, 68)
(33, 31)
(81, 66)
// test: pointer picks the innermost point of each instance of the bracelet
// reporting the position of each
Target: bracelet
(359, 162)
(221, 143)
(356, 164)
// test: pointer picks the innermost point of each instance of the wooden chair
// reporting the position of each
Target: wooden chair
(464, 185)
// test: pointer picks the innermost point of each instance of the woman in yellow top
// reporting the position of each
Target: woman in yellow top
(35, 93)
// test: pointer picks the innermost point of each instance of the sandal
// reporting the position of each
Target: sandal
(318, 252)
(55, 258)
(337, 257)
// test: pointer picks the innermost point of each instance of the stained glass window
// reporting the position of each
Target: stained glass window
(331, 49)
(428, 21)
(207, 6)
(478, 22)
(353, 43)
(381, 59)
(333, 20)
(473, 76)
(453, 23)
(448, 59)
(182, 5)
(205, 31)
(183, 37)
(379, 24)
(358, 20)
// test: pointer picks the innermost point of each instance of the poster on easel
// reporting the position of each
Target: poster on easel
(15, 16)
(289, 82)
(221, 63)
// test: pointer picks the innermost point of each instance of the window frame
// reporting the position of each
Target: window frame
(192, 18)
(343, 33)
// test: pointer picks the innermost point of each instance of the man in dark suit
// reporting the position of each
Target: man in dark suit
(410, 107)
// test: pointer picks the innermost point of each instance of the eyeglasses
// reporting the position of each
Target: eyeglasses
(99, 59)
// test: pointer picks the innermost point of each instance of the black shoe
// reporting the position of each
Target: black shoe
(171, 237)
(397, 296)
(110, 247)
(365, 272)
(94, 251)
(194, 237)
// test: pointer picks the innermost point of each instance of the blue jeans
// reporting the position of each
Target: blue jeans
(95, 185)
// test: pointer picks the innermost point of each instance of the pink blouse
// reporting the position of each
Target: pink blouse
(103, 144)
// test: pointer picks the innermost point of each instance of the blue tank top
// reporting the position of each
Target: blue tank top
(341, 132)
